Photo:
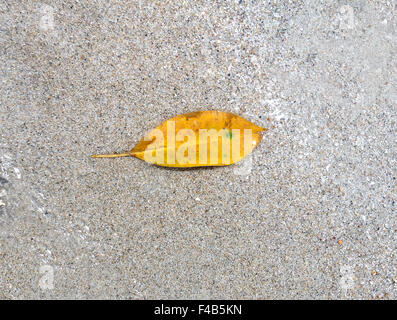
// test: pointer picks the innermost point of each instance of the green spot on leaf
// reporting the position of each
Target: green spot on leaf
(228, 134)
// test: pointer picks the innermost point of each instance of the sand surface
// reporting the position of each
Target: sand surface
(311, 214)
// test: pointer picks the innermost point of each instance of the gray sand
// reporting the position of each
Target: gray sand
(310, 215)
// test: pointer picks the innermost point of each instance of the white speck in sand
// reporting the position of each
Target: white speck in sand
(46, 18)
(276, 114)
(18, 173)
(41, 210)
(243, 167)
(210, 72)
(346, 17)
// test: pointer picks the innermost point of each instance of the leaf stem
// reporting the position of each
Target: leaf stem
(127, 154)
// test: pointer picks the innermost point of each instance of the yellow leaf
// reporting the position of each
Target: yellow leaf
(197, 139)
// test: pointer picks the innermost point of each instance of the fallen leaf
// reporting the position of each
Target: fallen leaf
(196, 139)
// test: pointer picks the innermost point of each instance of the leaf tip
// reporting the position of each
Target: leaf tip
(260, 129)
